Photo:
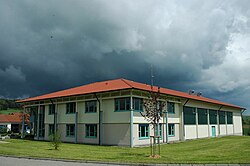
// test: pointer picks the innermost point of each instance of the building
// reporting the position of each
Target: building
(12, 122)
(108, 113)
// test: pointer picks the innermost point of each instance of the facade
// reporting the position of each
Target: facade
(108, 113)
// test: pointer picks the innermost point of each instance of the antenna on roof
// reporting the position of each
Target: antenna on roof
(152, 77)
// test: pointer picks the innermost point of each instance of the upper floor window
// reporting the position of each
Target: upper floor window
(52, 108)
(222, 117)
(90, 106)
(70, 108)
(202, 116)
(122, 104)
(189, 115)
(138, 104)
(212, 117)
(171, 109)
(229, 118)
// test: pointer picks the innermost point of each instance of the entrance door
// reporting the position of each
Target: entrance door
(213, 131)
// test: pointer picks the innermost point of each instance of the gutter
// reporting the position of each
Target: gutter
(99, 118)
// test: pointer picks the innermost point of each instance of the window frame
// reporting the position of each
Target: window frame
(137, 100)
(204, 113)
(171, 129)
(146, 131)
(71, 108)
(68, 132)
(229, 115)
(215, 114)
(88, 131)
(126, 103)
(52, 109)
(222, 117)
(89, 104)
(186, 113)
(171, 106)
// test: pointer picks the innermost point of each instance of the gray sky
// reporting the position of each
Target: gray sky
(47, 46)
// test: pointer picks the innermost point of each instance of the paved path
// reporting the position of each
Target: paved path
(10, 161)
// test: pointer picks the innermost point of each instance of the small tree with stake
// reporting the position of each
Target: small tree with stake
(153, 113)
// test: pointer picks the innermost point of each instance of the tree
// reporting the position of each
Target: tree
(153, 113)
(55, 140)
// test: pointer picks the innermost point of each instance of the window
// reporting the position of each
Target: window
(122, 104)
(70, 130)
(143, 131)
(202, 116)
(91, 130)
(160, 131)
(52, 108)
(212, 116)
(189, 115)
(229, 118)
(90, 106)
(171, 109)
(222, 117)
(70, 108)
(137, 104)
(171, 130)
(51, 129)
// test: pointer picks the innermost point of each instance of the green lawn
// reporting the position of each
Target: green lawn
(231, 149)
(8, 111)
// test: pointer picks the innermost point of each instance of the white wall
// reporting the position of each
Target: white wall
(223, 130)
(237, 123)
(116, 134)
(203, 131)
(190, 132)
(230, 129)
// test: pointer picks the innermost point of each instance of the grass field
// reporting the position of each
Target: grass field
(8, 111)
(231, 149)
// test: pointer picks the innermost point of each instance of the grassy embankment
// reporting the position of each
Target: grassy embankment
(231, 149)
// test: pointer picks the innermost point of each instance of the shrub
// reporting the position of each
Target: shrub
(55, 140)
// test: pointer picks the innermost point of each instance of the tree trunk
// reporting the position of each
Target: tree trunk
(154, 147)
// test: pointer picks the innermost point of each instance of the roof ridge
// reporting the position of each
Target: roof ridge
(125, 81)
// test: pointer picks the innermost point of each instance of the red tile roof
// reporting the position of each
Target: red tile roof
(11, 118)
(121, 84)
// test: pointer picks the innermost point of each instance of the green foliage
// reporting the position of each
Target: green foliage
(55, 140)
(246, 120)
(7, 103)
(9, 111)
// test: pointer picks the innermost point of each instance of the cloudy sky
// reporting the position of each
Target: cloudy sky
(47, 46)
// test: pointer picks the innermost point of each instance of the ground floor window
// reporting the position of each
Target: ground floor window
(143, 131)
(91, 130)
(51, 129)
(171, 130)
(70, 130)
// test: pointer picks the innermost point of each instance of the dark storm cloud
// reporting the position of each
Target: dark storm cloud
(47, 46)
